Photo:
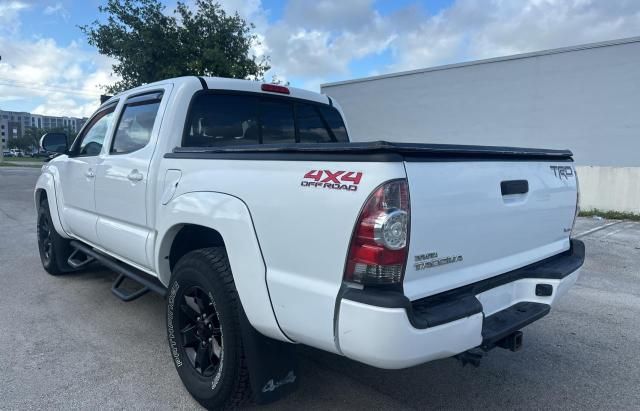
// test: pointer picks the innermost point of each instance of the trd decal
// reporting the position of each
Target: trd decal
(335, 180)
(562, 171)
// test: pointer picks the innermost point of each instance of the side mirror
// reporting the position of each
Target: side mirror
(54, 142)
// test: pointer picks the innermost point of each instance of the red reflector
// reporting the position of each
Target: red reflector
(274, 88)
(375, 254)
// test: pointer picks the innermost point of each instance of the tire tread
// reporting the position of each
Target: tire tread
(217, 262)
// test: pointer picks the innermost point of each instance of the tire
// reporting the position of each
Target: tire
(203, 311)
(54, 249)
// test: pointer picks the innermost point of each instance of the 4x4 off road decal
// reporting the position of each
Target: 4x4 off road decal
(335, 180)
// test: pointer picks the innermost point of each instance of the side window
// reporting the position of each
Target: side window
(311, 128)
(93, 136)
(335, 123)
(222, 120)
(135, 124)
(276, 118)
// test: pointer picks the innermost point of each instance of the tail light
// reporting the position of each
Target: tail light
(380, 240)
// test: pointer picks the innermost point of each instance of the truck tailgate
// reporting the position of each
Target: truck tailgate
(471, 220)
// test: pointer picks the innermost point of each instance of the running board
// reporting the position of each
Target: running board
(147, 283)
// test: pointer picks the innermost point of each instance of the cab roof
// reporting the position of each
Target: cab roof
(221, 83)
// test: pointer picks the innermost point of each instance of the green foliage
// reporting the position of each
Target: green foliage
(611, 215)
(150, 45)
(23, 143)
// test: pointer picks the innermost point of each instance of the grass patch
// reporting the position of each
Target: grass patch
(18, 164)
(22, 159)
(611, 215)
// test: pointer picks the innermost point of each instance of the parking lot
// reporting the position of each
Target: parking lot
(67, 342)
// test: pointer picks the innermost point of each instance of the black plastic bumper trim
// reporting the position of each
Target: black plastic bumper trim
(461, 302)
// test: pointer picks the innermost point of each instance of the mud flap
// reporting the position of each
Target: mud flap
(273, 369)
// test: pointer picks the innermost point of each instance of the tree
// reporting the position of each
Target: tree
(150, 45)
(25, 143)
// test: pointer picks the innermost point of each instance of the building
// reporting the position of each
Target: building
(584, 98)
(4, 132)
(18, 122)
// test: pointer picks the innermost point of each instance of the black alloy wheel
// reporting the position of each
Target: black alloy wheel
(201, 331)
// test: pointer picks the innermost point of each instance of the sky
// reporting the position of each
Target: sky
(47, 67)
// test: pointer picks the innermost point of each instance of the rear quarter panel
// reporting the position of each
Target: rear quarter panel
(303, 232)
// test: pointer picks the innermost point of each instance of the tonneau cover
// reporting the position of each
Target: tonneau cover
(409, 150)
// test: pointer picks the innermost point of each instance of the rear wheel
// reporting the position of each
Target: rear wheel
(203, 329)
(54, 249)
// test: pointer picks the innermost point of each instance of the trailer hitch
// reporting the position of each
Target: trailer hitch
(512, 342)
(473, 357)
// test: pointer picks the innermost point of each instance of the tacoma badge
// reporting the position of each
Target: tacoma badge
(430, 260)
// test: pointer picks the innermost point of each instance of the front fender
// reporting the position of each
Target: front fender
(230, 217)
(46, 184)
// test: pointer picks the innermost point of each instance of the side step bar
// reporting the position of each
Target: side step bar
(147, 282)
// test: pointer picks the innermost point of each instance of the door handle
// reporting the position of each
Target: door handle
(514, 187)
(89, 173)
(135, 175)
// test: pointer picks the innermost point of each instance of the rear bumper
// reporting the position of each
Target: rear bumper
(386, 330)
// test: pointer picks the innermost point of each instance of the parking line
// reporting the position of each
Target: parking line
(602, 227)
(616, 231)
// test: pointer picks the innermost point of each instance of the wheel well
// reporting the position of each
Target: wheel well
(41, 195)
(193, 237)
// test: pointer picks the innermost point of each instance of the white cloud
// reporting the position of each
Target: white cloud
(62, 104)
(9, 15)
(59, 80)
(315, 41)
(473, 29)
(330, 14)
(56, 9)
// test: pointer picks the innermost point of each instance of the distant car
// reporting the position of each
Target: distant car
(41, 153)
(7, 153)
(16, 152)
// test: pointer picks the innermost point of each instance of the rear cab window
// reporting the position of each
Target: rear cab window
(229, 119)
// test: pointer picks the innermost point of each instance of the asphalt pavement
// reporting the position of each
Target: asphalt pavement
(68, 343)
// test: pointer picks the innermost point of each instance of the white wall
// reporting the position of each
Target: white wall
(610, 188)
(586, 100)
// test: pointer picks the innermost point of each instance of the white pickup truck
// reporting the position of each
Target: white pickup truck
(247, 207)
